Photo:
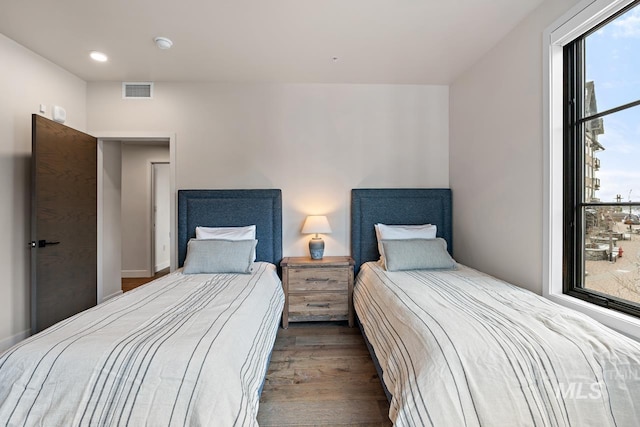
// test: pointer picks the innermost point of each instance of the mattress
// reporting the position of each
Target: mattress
(461, 348)
(182, 350)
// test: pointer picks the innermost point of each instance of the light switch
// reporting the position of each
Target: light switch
(43, 109)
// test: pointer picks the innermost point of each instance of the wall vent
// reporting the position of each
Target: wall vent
(137, 90)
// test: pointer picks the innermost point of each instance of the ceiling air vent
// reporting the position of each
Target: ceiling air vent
(137, 90)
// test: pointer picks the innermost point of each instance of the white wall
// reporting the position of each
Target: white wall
(137, 162)
(162, 215)
(315, 142)
(26, 81)
(109, 253)
(495, 154)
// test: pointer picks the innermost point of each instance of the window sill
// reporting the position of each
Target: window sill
(623, 323)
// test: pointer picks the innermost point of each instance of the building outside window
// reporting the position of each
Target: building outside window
(594, 128)
(601, 245)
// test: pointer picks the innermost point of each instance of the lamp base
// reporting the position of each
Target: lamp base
(316, 248)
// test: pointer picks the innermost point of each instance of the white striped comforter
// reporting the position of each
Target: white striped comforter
(183, 350)
(460, 348)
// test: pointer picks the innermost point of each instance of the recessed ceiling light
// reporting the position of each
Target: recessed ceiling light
(163, 42)
(98, 56)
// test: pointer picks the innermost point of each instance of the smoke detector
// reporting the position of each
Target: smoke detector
(163, 43)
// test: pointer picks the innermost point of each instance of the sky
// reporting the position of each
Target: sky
(613, 64)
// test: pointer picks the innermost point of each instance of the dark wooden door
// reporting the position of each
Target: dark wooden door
(63, 222)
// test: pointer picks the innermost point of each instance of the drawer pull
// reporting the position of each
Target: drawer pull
(325, 305)
(311, 279)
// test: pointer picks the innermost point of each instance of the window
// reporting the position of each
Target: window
(601, 163)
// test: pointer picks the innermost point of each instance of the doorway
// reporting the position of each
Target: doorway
(116, 235)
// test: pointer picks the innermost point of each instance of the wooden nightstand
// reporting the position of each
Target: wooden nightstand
(317, 289)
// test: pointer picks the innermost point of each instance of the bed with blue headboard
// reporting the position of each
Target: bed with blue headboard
(185, 349)
(233, 208)
(396, 206)
(455, 346)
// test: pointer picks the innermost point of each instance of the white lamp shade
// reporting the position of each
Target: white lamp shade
(316, 224)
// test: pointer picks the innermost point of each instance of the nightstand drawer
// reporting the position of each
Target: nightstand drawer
(318, 279)
(318, 306)
(317, 290)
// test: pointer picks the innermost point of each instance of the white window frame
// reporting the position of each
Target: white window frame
(577, 21)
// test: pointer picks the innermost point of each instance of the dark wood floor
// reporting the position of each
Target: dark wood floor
(321, 374)
(129, 283)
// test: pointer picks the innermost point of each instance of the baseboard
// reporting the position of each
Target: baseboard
(15, 339)
(113, 295)
(162, 265)
(130, 274)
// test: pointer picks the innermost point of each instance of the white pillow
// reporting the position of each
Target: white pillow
(402, 232)
(228, 233)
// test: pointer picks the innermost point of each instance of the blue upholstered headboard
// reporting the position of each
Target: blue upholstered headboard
(396, 206)
(232, 208)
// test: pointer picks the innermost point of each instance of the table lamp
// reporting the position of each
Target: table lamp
(315, 224)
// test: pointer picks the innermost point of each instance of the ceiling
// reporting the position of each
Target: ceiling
(294, 41)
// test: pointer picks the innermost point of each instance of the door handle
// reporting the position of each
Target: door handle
(43, 243)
